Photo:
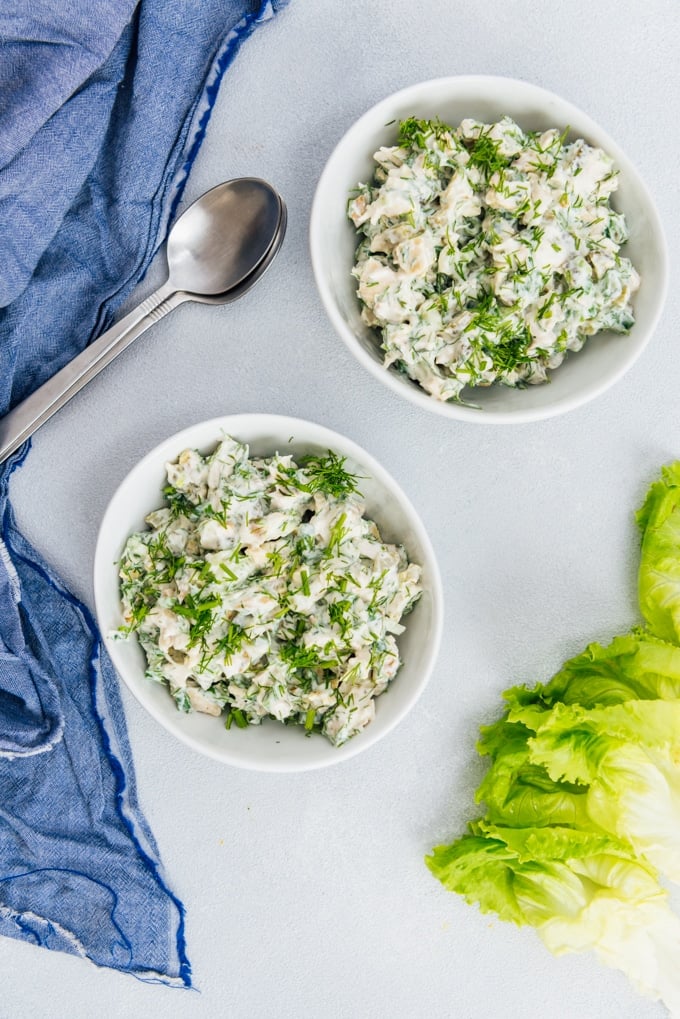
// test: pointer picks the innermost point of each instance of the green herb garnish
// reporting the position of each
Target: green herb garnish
(327, 474)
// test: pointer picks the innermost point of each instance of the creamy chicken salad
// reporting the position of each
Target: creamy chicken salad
(487, 253)
(261, 589)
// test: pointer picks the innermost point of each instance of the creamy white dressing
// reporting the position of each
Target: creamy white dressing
(487, 253)
(262, 589)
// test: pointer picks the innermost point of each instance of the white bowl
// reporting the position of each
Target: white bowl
(270, 746)
(333, 240)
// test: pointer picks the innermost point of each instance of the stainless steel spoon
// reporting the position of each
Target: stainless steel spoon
(217, 250)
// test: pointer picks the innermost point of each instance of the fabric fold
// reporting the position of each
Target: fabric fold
(30, 716)
(60, 88)
(49, 51)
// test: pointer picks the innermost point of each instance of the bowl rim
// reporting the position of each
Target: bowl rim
(413, 393)
(285, 426)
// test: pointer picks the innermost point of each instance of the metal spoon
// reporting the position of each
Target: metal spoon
(217, 250)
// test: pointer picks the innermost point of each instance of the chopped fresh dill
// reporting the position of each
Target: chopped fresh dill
(304, 583)
(327, 474)
(415, 133)
(336, 536)
(231, 642)
(299, 657)
(486, 155)
(510, 355)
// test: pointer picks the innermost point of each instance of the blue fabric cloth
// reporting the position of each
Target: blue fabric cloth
(102, 110)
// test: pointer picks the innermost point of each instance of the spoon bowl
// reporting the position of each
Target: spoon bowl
(223, 236)
(228, 296)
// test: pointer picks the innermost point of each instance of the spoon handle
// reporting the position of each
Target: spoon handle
(36, 409)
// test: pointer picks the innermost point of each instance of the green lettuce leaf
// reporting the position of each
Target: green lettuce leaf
(659, 575)
(636, 795)
(625, 758)
(481, 870)
(580, 890)
(637, 666)
(518, 791)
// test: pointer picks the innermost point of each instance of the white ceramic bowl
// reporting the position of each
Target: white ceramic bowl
(333, 240)
(270, 746)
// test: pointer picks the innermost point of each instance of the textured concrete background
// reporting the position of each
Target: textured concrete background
(307, 895)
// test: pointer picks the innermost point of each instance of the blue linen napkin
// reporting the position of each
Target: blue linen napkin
(103, 109)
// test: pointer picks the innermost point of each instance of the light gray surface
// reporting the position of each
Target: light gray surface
(307, 895)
